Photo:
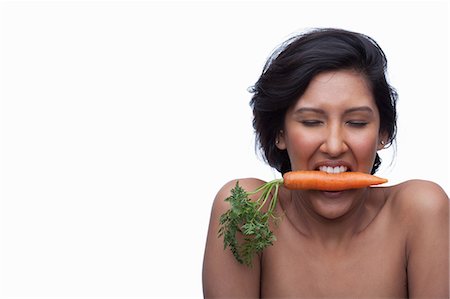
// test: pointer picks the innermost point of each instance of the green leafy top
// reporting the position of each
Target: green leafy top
(246, 219)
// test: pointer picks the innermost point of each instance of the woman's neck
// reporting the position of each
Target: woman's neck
(331, 233)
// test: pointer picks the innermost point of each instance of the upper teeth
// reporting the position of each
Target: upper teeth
(337, 169)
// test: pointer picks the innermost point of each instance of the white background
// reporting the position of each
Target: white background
(121, 120)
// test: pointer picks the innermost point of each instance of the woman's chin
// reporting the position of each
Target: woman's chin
(333, 205)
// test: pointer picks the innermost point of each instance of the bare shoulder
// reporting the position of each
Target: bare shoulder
(248, 184)
(420, 198)
(423, 208)
(222, 275)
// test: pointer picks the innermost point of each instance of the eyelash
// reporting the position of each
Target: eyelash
(314, 123)
(358, 124)
(311, 123)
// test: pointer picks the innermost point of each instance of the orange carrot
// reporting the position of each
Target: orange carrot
(320, 180)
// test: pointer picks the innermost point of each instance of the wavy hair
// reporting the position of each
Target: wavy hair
(291, 67)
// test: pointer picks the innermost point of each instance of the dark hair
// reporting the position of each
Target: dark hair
(289, 70)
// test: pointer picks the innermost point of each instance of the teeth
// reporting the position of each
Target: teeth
(329, 169)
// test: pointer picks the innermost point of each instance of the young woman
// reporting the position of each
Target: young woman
(323, 103)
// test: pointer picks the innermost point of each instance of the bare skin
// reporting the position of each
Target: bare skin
(385, 242)
(399, 249)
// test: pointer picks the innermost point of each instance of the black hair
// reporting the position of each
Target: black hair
(289, 70)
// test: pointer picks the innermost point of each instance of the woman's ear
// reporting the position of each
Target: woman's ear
(382, 141)
(280, 141)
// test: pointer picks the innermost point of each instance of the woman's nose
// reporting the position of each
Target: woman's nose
(334, 143)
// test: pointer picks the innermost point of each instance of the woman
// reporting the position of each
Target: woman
(323, 103)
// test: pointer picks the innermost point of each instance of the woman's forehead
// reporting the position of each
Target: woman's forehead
(337, 89)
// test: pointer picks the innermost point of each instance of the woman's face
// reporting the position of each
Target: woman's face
(334, 126)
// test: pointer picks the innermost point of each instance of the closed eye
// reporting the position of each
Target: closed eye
(356, 123)
(311, 123)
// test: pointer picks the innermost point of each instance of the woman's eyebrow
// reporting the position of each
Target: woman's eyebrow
(359, 109)
(321, 111)
(308, 109)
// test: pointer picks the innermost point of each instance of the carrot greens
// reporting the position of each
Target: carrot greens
(248, 219)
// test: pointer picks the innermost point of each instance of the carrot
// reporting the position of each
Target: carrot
(247, 218)
(319, 180)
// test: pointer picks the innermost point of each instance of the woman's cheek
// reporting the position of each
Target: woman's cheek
(365, 152)
(301, 149)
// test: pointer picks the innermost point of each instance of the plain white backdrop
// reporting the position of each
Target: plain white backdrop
(120, 120)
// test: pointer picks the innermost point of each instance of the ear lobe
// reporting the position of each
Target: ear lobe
(382, 142)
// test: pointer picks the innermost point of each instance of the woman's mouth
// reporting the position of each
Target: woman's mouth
(336, 169)
(333, 170)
